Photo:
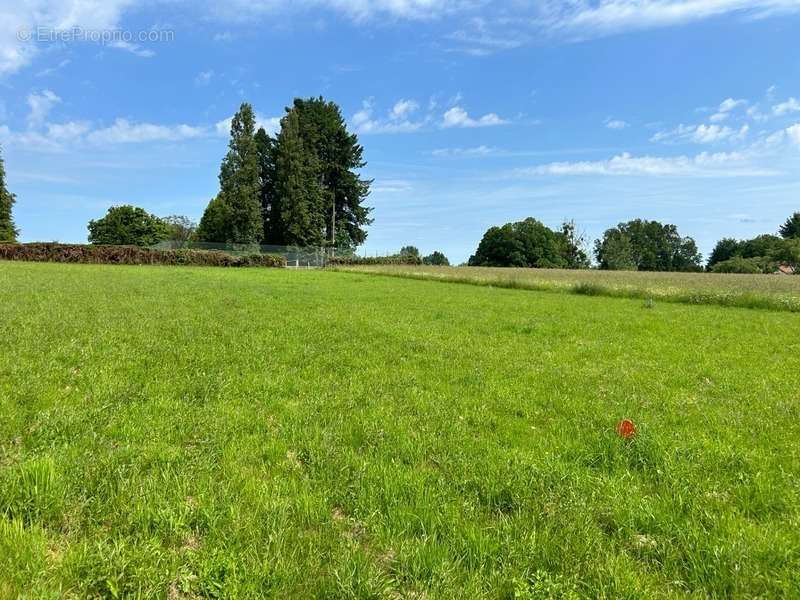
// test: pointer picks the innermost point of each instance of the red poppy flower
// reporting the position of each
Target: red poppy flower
(626, 429)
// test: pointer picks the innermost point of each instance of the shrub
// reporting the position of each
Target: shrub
(737, 264)
(402, 259)
(133, 255)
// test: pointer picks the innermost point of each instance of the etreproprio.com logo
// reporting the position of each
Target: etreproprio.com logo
(97, 36)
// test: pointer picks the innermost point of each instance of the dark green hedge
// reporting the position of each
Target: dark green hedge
(133, 255)
(343, 261)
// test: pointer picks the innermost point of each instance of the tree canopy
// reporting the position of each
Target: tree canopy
(527, 243)
(297, 188)
(8, 231)
(338, 156)
(762, 254)
(436, 259)
(303, 183)
(128, 226)
(791, 229)
(642, 245)
(239, 180)
(181, 229)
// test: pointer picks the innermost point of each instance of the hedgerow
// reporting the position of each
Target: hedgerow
(399, 259)
(133, 255)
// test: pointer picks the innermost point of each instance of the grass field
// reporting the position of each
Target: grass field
(185, 432)
(772, 292)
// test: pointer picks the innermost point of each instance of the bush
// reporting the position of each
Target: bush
(133, 255)
(402, 259)
(737, 264)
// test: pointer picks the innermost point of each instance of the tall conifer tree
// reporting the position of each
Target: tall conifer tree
(240, 183)
(338, 157)
(8, 232)
(270, 201)
(296, 184)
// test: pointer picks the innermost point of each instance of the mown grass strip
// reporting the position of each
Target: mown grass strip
(673, 294)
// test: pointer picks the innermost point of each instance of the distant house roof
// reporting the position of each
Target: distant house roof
(785, 270)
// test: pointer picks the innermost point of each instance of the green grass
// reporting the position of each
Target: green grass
(772, 292)
(185, 432)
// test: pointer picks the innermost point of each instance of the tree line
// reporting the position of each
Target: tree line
(302, 188)
(638, 245)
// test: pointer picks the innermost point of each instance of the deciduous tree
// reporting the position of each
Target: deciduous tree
(647, 246)
(214, 226)
(181, 230)
(437, 259)
(527, 243)
(128, 226)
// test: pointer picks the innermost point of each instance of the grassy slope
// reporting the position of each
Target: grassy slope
(241, 433)
(744, 291)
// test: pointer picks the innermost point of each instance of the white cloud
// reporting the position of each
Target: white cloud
(725, 108)
(125, 132)
(453, 152)
(729, 104)
(770, 93)
(270, 124)
(203, 78)
(702, 165)
(756, 115)
(40, 106)
(793, 133)
(615, 123)
(403, 108)
(60, 15)
(68, 132)
(391, 186)
(458, 117)
(479, 41)
(785, 108)
(481, 27)
(604, 17)
(701, 134)
(134, 49)
(397, 121)
(54, 68)
(357, 10)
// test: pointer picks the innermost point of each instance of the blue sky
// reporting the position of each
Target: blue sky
(472, 113)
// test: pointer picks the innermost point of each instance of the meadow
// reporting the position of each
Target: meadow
(185, 432)
(773, 292)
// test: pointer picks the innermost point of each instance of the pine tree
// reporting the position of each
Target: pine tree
(8, 232)
(270, 202)
(239, 180)
(338, 157)
(297, 187)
